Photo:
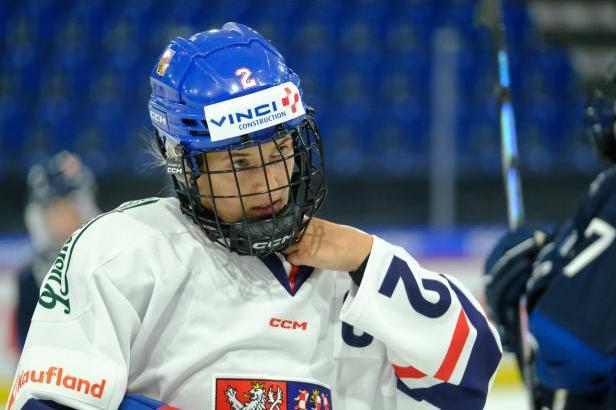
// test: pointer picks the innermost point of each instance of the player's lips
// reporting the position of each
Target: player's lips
(266, 210)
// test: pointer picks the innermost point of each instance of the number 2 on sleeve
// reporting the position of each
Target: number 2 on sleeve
(399, 271)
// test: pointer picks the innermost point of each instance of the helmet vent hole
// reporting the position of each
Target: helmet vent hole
(189, 122)
(205, 133)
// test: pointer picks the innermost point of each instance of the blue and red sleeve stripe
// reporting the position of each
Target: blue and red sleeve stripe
(485, 355)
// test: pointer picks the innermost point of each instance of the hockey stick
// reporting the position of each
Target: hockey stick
(489, 14)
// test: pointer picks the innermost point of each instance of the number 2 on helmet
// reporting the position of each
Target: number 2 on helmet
(246, 80)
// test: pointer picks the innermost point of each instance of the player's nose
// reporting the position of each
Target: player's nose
(273, 177)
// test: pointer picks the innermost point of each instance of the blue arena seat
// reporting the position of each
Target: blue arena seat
(362, 63)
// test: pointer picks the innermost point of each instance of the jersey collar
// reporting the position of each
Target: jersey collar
(291, 277)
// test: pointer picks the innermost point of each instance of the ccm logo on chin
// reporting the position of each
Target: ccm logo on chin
(288, 324)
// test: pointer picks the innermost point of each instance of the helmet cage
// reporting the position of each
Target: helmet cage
(305, 182)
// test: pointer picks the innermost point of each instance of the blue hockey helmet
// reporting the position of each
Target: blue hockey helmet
(601, 115)
(225, 90)
(62, 177)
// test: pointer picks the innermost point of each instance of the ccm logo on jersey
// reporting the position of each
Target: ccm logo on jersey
(288, 324)
(55, 376)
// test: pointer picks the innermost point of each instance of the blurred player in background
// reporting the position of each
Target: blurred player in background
(234, 295)
(569, 279)
(61, 196)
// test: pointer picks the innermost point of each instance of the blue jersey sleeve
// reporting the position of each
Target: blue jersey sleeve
(130, 402)
(574, 319)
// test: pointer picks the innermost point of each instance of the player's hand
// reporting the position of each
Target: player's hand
(507, 269)
(327, 245)
(550, 263)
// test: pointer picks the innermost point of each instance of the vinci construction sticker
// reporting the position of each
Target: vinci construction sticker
(254, 112)
(269, 394)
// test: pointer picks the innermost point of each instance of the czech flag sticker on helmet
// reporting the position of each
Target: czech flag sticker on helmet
(254, 112)
(164, 61)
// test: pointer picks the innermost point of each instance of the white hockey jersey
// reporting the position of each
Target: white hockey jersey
(140, 301)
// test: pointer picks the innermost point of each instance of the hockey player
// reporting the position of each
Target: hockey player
(234, 295)
(61, 196)
(569, 281)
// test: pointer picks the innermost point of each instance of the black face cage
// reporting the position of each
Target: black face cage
(306, 184)
(600, 116)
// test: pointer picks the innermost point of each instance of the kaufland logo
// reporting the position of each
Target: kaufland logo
(56, 376)
(254, 112)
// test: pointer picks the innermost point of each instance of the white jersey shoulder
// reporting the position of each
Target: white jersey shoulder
(137, 220)
(131, 235)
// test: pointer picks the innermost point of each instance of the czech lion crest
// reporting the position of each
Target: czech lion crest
(257, 398)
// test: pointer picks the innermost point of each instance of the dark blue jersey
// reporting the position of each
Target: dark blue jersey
(27, 297)
(574, 318)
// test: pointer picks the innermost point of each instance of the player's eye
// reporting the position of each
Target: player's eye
(240, 163)
(283, 150)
